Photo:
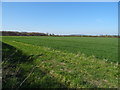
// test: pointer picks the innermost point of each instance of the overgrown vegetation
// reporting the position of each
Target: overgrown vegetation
(17, 66)
(36, 66)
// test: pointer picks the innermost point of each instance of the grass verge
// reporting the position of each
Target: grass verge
(55, 69)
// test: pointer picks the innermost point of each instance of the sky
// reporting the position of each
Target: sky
(61, 17)
(60, 0)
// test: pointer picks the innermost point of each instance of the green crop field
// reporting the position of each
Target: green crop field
(60, 62)
(102, 48)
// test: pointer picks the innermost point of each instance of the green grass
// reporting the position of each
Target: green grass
(100, 47)
(56, 68)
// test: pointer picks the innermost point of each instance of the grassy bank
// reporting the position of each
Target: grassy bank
(31, 65)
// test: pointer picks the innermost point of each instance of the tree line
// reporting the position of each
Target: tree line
(13, 33)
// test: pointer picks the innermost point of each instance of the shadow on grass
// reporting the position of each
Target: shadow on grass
(17, 65)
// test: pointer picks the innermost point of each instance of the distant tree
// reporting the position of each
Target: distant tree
(11, 33)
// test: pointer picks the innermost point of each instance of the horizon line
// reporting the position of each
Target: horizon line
(56, 34)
